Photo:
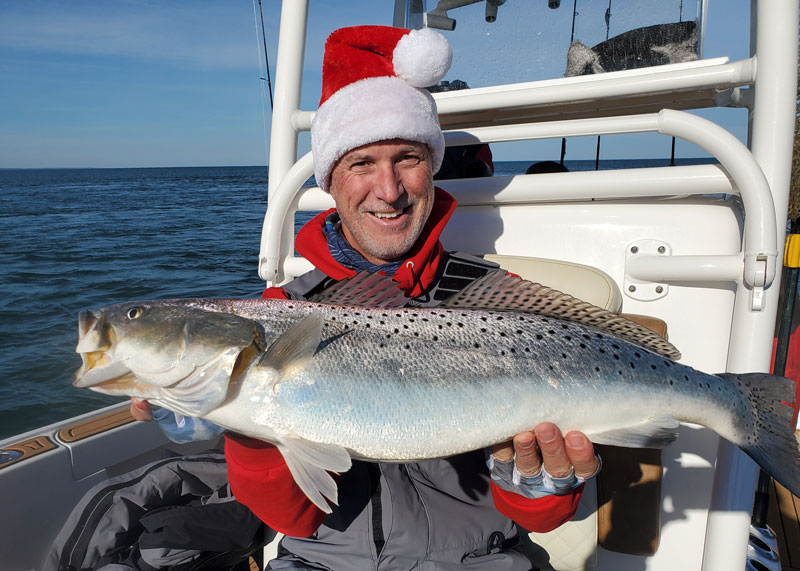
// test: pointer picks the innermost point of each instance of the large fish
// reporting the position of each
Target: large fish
(326, 383)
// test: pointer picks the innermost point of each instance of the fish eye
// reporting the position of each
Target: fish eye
(134, 313)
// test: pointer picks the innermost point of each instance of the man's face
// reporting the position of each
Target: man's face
(384, 194)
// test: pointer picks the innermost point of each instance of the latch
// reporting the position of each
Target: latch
(759, 283)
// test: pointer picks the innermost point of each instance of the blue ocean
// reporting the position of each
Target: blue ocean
(74, 239)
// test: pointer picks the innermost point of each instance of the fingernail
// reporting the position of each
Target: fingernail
(546, 433)
(525, 441)
(575, 440)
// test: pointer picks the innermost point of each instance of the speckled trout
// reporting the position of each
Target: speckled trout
(327, 382)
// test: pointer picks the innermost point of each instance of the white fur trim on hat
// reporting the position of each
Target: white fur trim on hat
(370, 110)
(422, 57)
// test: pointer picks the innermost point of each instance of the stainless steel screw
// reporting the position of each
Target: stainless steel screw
(631, 288)
(634, 249)
(661, 249)
(659, 289)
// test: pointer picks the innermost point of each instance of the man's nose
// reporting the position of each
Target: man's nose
(388, 187)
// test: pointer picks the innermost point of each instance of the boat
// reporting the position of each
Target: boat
(696, 248)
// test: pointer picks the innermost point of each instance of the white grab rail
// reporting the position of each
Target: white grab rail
(760, 235)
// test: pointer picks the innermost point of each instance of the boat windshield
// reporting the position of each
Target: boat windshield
(546, 39)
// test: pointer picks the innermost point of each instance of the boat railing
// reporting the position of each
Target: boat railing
(739, 174)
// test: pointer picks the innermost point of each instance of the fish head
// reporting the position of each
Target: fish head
(173, 355)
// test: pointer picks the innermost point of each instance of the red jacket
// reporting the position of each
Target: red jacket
(258, 474)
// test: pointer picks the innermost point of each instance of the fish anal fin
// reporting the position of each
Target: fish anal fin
(295, 347)
(656, 432)
(310, 464)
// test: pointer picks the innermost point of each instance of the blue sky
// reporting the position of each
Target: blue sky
(118, 83)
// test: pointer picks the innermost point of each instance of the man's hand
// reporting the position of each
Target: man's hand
(545, 445)
(140, 409)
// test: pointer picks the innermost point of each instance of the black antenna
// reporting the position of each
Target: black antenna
(266, 56)
(571, 39)
(672, 156)
(608, 29)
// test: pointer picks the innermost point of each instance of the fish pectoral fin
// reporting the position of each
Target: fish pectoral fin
(655, 432)
(310, 464)
(295, 347)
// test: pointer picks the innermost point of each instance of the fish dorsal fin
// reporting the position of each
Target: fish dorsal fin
(309, 462)
(499, 291)
(364, 289)
(295, 347)
(656, 432)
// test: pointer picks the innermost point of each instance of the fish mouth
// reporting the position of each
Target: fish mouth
(96, 337)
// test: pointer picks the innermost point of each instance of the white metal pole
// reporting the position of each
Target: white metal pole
(772, 124)
(288, 81)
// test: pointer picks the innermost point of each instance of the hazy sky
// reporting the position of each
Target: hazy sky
(116, 83)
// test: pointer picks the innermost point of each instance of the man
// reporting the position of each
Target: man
(377, 144)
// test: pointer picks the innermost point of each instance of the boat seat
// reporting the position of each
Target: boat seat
(620, 511)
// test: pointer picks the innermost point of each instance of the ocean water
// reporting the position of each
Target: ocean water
(74, 239)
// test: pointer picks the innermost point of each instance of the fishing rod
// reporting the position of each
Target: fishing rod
(268, 79)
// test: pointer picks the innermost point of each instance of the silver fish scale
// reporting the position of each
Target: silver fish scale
(419, 373)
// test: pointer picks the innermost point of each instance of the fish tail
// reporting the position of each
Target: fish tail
(766, 431)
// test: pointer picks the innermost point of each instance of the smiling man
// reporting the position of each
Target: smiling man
(377, 144)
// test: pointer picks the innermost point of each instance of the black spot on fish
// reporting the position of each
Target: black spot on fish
(653, 367)
(539, 336)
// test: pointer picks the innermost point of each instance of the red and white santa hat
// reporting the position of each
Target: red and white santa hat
(373, 80)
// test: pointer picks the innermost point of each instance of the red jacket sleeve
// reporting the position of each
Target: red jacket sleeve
(261, 480)
(542, 515)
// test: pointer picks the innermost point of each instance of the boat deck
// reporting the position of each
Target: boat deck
(784, 519)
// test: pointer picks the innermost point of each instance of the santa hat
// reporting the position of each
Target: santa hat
(372, 90)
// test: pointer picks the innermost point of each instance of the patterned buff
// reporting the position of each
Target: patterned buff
(346, 255)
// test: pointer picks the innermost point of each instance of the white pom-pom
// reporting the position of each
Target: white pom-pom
(422, 57)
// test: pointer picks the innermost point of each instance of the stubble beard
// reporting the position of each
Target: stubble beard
(387, 248)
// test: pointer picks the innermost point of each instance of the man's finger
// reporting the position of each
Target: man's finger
(581, 454)
(528, 460)
(504, 451)
(554, 453)
(140, 410)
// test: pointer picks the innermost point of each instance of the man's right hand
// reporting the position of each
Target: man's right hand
(140, 409)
